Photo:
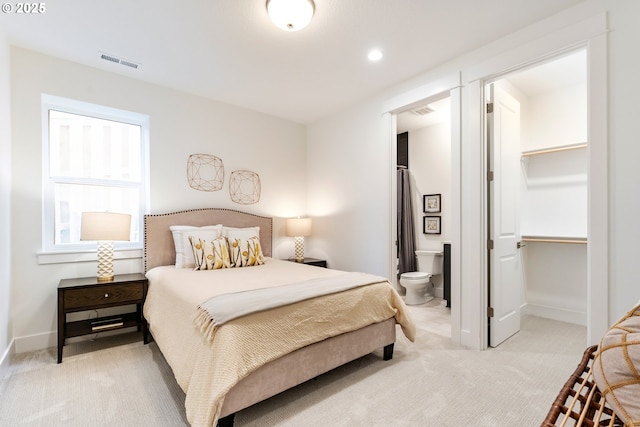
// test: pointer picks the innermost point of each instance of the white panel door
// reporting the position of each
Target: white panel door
(505, 274)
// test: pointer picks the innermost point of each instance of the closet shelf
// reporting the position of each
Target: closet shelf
(555, 239)
(554, 149)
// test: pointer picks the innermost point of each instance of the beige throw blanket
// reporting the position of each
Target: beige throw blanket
(220, 309)
(206, 371)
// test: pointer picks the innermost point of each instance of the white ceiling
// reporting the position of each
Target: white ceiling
(560, 72)
(228, 50)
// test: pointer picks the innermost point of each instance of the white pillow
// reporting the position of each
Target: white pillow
(241, 233)
(181, 233)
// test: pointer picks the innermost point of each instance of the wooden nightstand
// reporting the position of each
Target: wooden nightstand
(88, 294)
(312, 261)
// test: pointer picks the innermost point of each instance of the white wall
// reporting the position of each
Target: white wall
(624, 173)
(555, 200)
(430, 166)
(556, 281)
(6, 333)
(358, 139)
(180, 125)
(558, 117)
(348, 192)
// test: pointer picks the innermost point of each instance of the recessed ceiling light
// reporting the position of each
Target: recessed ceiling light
(374, 55)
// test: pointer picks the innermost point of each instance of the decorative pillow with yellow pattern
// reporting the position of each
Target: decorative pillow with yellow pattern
(181, 234)
(246, 252)
(210, 254)
(616, 367)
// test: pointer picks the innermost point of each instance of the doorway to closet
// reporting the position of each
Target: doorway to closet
(537, 130)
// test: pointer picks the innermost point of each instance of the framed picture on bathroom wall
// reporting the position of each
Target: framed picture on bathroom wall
(431, 203)
(431, 225)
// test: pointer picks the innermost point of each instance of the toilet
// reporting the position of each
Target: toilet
(415, 282)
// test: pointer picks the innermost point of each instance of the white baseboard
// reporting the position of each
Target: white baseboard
(467, 340)
(5, 360)
(50, 339)
(556, 313)
(35, 342)
(438, 292)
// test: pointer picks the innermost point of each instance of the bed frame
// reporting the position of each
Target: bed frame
(291, 369)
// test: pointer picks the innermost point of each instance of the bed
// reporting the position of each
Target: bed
(226, 367)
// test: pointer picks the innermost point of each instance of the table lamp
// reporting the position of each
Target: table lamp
(298, 228)
(105, 227)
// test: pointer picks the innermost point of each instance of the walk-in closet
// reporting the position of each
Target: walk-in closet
(553, 187)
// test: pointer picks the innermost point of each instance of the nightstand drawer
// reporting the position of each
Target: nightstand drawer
(103, 295)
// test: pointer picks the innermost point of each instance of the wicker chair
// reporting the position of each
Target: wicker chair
(579, 402)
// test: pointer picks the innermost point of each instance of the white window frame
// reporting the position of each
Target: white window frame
(50, 102)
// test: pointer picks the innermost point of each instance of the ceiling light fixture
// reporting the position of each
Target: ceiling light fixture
(290, 15)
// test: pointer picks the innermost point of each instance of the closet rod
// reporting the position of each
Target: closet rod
(553, 150)
(573, 240)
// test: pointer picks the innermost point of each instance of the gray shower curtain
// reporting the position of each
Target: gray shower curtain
(406, 235)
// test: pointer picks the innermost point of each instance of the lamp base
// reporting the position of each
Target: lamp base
(105, 260)
(299, 248)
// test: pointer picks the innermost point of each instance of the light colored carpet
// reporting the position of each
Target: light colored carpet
(117, 381)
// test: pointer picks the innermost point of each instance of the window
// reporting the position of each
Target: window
(94, 159)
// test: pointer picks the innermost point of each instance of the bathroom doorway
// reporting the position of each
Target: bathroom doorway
(424, 148)
(537, 129)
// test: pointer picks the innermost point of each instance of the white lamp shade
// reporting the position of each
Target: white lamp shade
(105, 226)
(298, 227)
(290, 15)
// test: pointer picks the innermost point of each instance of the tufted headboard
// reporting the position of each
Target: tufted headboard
(158, 240)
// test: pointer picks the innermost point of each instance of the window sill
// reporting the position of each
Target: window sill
(84, 256)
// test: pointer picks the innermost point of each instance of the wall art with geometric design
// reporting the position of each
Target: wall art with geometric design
(205, 172)
(244, 187)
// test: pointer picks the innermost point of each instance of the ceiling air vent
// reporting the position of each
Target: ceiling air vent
(128, 64)
(109, 58)
(115, 59)
(422, 111)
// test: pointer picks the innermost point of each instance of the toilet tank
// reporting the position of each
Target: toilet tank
(430, 261)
